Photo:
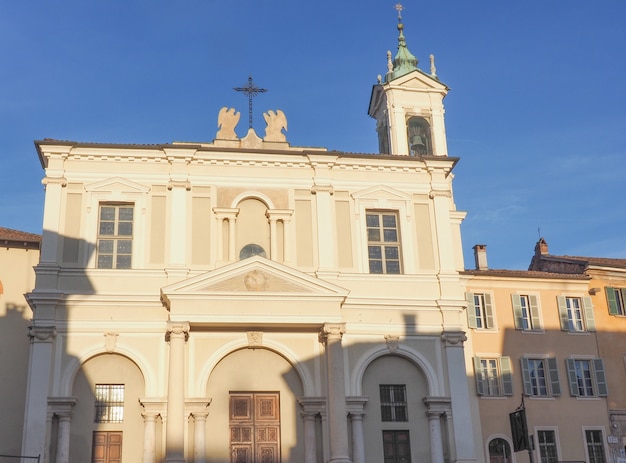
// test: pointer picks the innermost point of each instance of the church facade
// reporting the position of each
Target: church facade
(245, 300)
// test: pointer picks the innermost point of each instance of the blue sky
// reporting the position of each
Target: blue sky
(536, 111)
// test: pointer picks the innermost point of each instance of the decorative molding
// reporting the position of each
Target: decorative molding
(453, 338)
(256, 280)
(42, 333)
(393, 343)
(110, 340)
(255, 338)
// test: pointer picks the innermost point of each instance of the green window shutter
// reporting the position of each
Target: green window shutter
(471, 311)
(528, 389)
(612, 301)
(507, 375)
(571, 375)
(623, 290)
(598, 367)
(488, 311)
(563, 313)
(534, 313)
(517, 311)
(478, 374)
(590, 319)
(553, 370)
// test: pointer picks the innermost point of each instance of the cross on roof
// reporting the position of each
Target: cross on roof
(251, 90)
(399, 9)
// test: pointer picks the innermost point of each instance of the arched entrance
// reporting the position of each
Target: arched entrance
(253, 408)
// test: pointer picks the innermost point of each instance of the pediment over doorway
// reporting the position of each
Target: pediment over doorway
(254, 290)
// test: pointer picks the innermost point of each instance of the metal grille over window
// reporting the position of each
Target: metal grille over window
(109, 403)
(393, 405)
(115, 236)
(383, 242)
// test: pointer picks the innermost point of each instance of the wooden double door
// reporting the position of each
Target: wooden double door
(254, 427)
(106, 447)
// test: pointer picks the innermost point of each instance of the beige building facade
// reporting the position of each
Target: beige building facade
(19, 253)
(543, 340)
(245, 300)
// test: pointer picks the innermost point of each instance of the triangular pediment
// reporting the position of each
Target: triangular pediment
(254, 291)
(381, 192)
(418, 80)
(118, 185)
(255, 275)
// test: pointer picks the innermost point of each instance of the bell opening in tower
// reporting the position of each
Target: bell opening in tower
(419, 136)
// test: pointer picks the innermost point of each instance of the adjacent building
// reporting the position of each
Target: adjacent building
(19, 253)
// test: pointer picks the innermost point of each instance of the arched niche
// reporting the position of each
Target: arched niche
(396, 372)
(252, 225)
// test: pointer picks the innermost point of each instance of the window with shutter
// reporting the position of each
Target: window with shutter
(615, 299)
(480, 314)
(540, 377)
(493, 376)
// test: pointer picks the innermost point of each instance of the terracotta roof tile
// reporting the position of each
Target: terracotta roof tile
(8, 234)
(525, 274)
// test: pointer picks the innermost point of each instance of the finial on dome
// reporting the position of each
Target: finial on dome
(433, 69)
(389, 62)
(404, 62)
(399, 9)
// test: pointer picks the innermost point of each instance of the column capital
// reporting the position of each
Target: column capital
(437, 406)
(42, 333)
(229, 213)
(177, 330)
(186, 184)
(62, 181)
(62, 406)
(312, 405)
(332, 331)
(322, 188)
(356, 406)
(279, 214)
(453, 338)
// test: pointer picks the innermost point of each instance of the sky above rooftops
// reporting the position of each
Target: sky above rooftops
(536, 111)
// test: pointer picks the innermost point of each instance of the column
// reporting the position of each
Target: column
(50, 238)
(325, 220)
(356, 407)
(35, 414)
(177, 335)
(63, 438)
(61, 407)
(311, 409)
(149, 437)
(462, 423)
(230, 215)
(178, 222)
(275, 216)
(199, 446)
(437, 407)
(337, 413)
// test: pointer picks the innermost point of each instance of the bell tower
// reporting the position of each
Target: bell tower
(408, 105)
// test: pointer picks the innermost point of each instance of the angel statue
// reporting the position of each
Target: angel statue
(226, 122)
(276, 122)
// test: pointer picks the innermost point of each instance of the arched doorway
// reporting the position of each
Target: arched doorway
(253, 408)
(499, 451)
